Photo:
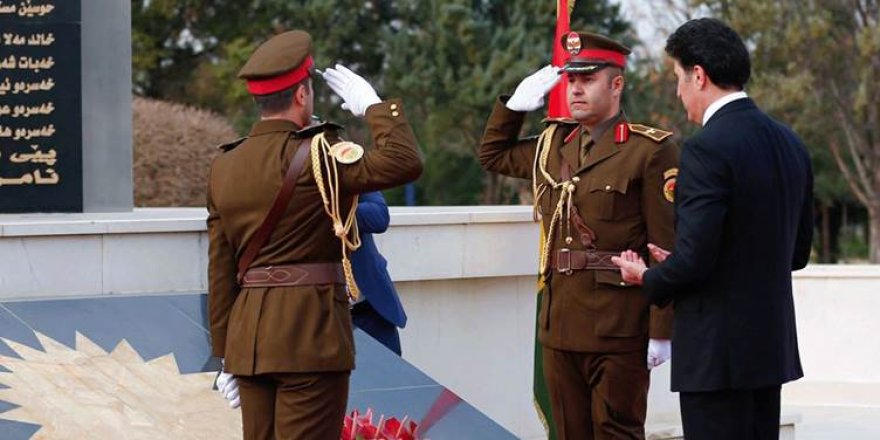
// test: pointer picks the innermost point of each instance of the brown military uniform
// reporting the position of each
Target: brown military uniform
(588, 315)
(293, 338)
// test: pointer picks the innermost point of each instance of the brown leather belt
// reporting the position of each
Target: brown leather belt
(567, 260)
(294, 275)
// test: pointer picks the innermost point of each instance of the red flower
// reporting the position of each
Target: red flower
(357, 427)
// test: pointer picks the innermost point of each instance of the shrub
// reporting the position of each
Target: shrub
(173, 148)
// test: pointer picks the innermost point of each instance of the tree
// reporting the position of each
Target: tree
(816, 63)
(452, 59)
(449, 60)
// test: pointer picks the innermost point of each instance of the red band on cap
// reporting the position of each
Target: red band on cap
(607, 56)
(280, 82)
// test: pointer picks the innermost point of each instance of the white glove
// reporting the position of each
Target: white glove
(357, 93)
(228, 387)
(659, 351)
(529, 94)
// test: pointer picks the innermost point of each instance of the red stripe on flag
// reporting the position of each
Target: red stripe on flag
(558, 101)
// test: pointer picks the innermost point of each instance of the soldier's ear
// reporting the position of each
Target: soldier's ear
(615, 81)
(301, 94)
(618, 83)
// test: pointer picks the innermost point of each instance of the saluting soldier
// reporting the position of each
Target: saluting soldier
(279, 309)
(602, 185)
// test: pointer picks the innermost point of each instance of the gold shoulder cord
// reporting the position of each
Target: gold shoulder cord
(567, 189)
(347, 231)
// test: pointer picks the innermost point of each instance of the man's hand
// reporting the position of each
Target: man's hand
(659, 351)
(357, 93)
(658, 252)
(228, 387)
(529, 94)
(632, 267)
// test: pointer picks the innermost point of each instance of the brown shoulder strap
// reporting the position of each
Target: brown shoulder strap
(587, 235)
(278, 207)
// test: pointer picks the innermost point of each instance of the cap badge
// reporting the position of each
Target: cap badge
(573, 43)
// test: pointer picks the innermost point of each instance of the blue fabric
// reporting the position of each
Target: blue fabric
(370, 268)
(364, 317)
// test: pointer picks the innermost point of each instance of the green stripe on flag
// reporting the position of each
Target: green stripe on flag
(539, 388)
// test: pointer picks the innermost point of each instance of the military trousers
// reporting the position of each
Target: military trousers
(600, 396)
(293, 406)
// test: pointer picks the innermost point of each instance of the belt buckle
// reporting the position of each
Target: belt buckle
(564, 268)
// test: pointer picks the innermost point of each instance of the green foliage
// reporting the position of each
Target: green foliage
(815, 66)
(449, 61)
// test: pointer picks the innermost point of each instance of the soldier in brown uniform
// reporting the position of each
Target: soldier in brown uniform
(601, 185)
(282, 323)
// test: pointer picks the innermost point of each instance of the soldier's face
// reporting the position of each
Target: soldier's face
(594, 97)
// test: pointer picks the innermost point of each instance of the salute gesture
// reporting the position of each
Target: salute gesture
(529, 94)
(357, 93)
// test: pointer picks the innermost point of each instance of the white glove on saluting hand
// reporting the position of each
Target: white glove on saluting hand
(228, 387)
(529, 94)
(659, 351)
(357, 93)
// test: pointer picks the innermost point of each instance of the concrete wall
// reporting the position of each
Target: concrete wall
(106, 106)
(467, 280)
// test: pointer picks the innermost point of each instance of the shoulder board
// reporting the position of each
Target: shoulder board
(654, 134)
(229, 146)
(560, 121)
(312, 130)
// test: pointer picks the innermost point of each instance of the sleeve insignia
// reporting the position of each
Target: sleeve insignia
(229, 146)
(346, 152)
(669, 185)
(654, 134)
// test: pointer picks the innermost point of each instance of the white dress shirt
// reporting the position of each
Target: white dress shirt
(721, 102)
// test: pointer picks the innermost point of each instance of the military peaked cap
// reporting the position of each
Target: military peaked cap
(591, 52)
(279, 63)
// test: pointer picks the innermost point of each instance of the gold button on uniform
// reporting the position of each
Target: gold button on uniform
(395, 113)
(607, 187)
(393, 106)
(623, 283)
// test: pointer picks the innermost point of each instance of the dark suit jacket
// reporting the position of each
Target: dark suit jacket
(743, 223)
(370, 268)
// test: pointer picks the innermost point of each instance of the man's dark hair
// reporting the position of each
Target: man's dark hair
(614, 72)
(277, 102)
(714, 46)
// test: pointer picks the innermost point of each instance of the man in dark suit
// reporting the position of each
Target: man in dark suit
(743, 222)
(380, 312)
